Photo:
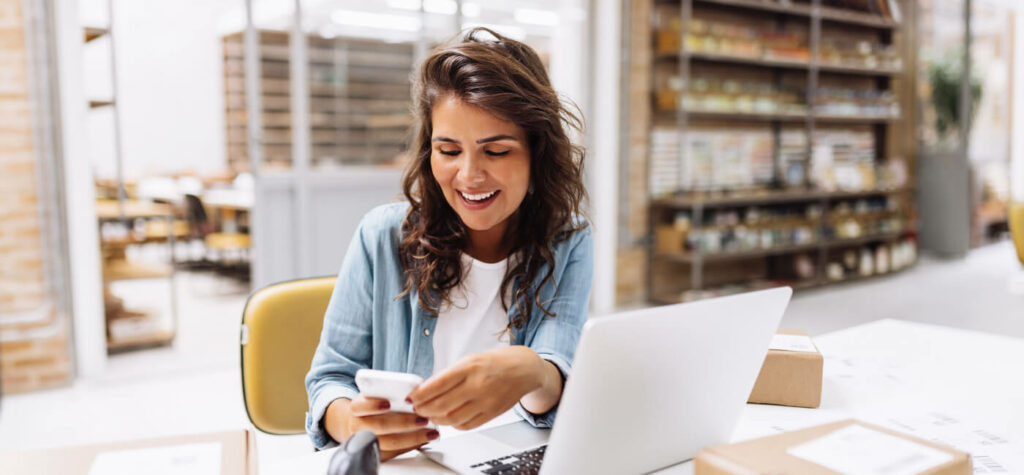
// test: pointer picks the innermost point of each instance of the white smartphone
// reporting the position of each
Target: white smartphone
(390, 385)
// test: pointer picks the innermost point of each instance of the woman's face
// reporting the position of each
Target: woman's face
(482, 163)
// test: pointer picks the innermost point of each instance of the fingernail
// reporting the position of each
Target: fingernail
(433, 435)
(385, 405)
(408, 401)
(421, 421)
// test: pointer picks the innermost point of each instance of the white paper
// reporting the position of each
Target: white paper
(800, 343)
(188, 459)
(994, 447)
(855, 449)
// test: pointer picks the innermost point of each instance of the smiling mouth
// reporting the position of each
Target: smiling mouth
(479, 198)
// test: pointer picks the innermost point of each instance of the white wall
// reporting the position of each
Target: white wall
(1017, 111)
(88, 325)
(604, 149)
(170, 86)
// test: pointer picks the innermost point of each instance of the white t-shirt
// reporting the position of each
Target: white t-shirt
(475, 321)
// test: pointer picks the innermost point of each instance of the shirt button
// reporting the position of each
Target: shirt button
(426, 332)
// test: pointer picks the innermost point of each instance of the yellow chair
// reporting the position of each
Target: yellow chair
(1016, 213)
(281, 327)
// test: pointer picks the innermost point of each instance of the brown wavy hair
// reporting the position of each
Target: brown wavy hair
(507, 79)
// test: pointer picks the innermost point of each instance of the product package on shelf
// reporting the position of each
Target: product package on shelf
(844, 159)
(712, 159)
(753, 228)
(791, 373)
(848, 446)
(664, 161)
(793, 156)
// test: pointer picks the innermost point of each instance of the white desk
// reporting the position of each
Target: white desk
(958, 386)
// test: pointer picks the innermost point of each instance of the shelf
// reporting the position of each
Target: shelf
(863, 240)
(836, 15)
(839, 15)
(781, 63)
(160, 338)
(855, 69)
(120, 269)
(855, 119)
(689, 257)
(762, 5)
(671, 298)
(765, 197)
(92, 33)
(750, 116)
(736, 59)
(666, 117)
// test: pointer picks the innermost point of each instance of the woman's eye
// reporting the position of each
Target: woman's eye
(450, 153)
(497, 154)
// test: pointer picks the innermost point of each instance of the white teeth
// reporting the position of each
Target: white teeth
(480, 197)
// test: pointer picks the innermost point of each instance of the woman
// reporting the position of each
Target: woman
(480, 281)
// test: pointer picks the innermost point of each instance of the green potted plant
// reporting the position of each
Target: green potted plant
(944, 199)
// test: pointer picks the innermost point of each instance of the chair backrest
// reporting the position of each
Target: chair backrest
(281, 327)
(1016, 213)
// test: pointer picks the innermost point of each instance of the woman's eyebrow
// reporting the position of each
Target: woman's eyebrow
(481, 141)
(497, 138)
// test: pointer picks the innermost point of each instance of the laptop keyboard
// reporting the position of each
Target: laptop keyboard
(525, 463)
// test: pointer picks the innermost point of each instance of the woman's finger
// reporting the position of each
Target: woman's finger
(445, 403)
(475, 422)
(437, 385)
(460, 415)
(392, 423)
(368, 406)
(407, 440)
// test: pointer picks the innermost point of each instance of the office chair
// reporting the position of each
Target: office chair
(220, 242)
(281, 327)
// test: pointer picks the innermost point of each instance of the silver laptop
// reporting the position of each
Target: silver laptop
(649, 388)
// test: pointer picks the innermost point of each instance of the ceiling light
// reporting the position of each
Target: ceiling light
(531, 16)
(375, 20)
(441, 7)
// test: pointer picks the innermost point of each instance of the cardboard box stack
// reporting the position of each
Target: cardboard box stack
(841, 447)
(791, 373)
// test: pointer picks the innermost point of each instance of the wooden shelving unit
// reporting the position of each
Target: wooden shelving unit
(132, 328)
(359, 100)
(726, 237)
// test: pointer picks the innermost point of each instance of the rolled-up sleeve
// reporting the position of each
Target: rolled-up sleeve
(556, 337)
(345, 342)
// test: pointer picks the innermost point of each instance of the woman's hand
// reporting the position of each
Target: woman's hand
(397, 432)
(484, 385)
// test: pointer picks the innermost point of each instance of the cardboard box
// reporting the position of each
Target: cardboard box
(237, 454)
(846, 447)
(669, 240)
(789, 378)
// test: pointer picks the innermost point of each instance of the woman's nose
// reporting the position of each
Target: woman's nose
(471, 169)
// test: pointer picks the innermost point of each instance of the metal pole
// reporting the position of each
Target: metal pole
(118, 157)
(301, 152)
(965, 84)
(254, 108)
(458, 17)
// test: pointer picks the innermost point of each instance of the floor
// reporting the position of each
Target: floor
(194, 385)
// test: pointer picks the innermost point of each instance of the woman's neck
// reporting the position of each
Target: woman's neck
(489, 245)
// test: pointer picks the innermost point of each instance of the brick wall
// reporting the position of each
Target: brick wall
(34, 346)
(631, 258)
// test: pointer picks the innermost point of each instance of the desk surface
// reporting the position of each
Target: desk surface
(959, 387)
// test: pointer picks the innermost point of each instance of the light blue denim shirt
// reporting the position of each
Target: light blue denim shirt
(365, 326)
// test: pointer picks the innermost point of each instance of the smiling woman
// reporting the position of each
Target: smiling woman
(480, 282)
